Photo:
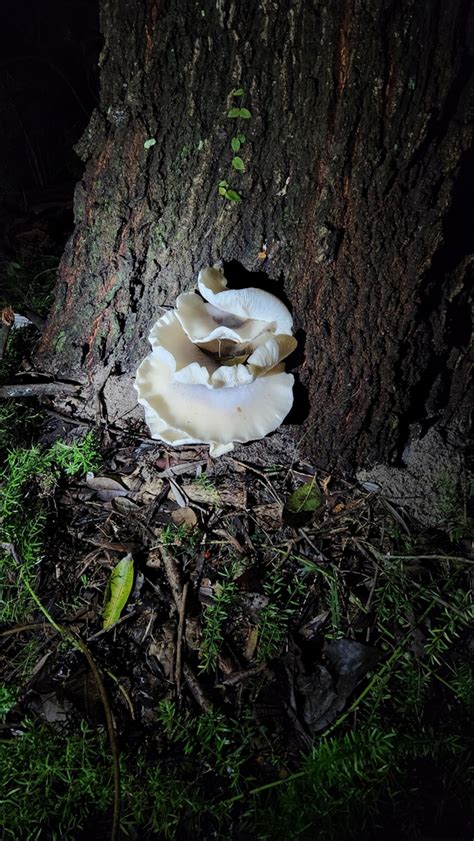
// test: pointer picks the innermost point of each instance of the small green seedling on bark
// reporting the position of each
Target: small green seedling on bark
(227, 193)
(236, 143)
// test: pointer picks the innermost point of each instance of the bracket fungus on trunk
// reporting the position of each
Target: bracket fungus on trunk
(215, 373)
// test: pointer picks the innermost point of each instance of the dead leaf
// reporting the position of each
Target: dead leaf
(202, 494)
(163, 649)
(229, 538)
(253, 603)
(106, 487)
(193, 633)
(175, 493)
(325, 483)
(311, 629)
(124, 505)
(268, 516)
(327, 690)
(251, 644)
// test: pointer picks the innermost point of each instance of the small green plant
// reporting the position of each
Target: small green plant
(453, 499)
(227, 192)
(52, 783)
(77, 458)
(29, 475)
(208, 486)
(342, 782)
(215, 617)
(182, 537)
(273, 619)
(222, 745)
(26, 658)
(8, 697)
(236, 143)
(18, 424)
(462, 684)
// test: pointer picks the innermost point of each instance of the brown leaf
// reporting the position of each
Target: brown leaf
(325, 483)
(251, 644)
(124, 505)
(268, 516)
(106, 487)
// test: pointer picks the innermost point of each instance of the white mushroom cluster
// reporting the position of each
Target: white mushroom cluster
(215, 373)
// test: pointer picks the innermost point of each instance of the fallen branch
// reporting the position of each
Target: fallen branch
(11, 392)
(179, 641)
(195, 689)
(173, 575)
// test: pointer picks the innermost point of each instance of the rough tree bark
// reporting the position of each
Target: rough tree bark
(356, 197)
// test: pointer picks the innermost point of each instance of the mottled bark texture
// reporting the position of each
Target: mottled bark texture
(356, 201)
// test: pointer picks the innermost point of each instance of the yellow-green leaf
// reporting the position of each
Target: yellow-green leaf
(232, 195)
(118, 590)
(302, 504)
(238, 164)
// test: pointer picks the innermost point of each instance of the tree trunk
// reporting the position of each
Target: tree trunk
(356, 201)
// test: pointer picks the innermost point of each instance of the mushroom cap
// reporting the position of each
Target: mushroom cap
(191, 413)
(253, 304)
(204, 322)
(194, 385)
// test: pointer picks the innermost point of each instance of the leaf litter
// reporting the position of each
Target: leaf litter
(264, 590)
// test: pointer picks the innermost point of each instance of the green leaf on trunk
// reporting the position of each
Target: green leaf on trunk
(232, 195)
(238, 164)
(118, 590)
(149, 143)
(238, 92)
(234, 112)
(241, 137)
(244, 113)
(302, 504)
(235, 143)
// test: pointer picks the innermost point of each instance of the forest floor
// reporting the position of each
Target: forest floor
(243, 648)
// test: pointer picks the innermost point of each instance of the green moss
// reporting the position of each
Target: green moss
(31, 474)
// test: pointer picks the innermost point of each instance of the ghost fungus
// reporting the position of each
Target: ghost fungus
(215, 373)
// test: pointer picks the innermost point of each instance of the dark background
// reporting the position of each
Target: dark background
(48, 89)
